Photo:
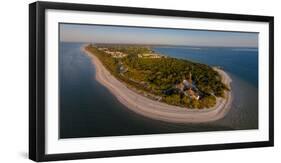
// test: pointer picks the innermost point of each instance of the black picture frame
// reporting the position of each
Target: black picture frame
(37, 80)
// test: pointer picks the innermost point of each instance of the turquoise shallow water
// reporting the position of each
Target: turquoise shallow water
(87, 109)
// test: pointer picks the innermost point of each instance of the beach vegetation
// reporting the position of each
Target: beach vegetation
(174, 81)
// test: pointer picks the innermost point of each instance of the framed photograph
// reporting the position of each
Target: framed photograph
(118, 81)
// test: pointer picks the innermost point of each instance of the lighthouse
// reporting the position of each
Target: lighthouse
(190, 78)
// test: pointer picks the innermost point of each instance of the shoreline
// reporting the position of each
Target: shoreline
(159, 110)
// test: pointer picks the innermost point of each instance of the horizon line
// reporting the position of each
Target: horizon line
(144, 44)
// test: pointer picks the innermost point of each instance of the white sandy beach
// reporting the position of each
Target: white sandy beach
(159, 110)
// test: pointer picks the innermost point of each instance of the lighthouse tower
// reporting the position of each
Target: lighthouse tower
(190, 78)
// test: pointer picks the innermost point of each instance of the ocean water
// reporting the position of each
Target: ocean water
(88, 109)
(242, 62)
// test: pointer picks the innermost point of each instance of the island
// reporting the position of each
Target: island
(161, 87)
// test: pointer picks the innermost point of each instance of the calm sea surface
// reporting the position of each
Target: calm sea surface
(87, 109)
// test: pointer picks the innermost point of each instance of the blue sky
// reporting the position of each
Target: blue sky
(139, 35)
